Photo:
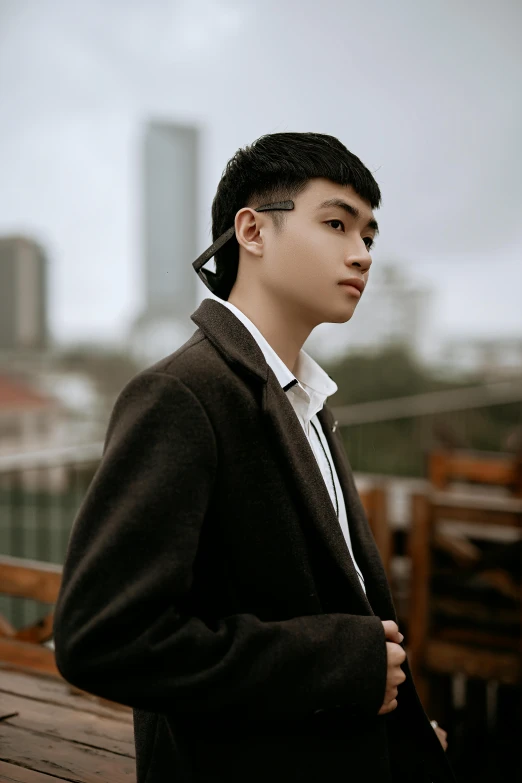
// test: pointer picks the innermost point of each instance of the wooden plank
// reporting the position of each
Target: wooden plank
(481, 532)
(448, 510)
(28, 656)
(30, 579)
(493, 469)
(477, 638)
(462, 551)
(445, 657)
(418, 620)
(474, 610)
(57, 691)
(475, 499)
(501, 581)
(66, 760)
(69, 725)
(12, 773)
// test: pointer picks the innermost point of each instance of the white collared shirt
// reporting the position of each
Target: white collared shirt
(307, 391)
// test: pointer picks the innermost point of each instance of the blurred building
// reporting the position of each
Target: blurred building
(170, 185)
(392, 311)
(23, 295)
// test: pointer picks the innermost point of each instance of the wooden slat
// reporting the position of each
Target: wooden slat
(445, 657)
(475, 611)
(462, 551)
(12, 773)
(477, 638)
(419, 587)
(6, 629)
(500, 470)
(40, 632)
(63, 723)
(57, 691)
(501, 534)
(476, 498)
(28, 656)
(374, 501)
(66, 760)
(478, 515)
(501, 581)
(30, 579)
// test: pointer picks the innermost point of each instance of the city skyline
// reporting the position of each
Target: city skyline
(440, 137)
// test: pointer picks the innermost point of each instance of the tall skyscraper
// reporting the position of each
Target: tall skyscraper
(170, 180)
(23, 295)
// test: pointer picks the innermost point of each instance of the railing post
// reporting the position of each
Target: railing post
(418, 622)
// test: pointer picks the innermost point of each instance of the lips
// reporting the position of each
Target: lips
(354, 282)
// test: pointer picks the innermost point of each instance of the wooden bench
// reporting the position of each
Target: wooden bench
(50, 730)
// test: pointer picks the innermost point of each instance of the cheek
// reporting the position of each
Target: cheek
(303, 261)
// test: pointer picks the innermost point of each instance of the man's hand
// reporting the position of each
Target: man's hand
(395, 676)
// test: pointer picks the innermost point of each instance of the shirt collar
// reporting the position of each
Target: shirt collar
(313, 383)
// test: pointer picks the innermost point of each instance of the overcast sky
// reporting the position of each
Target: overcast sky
(426, 93)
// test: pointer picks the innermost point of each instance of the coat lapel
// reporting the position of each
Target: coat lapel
(364, 546)
(309, 485)
(243, 354)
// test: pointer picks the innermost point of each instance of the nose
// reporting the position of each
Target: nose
(359, 259)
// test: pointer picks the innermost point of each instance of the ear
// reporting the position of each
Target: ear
(249, 230)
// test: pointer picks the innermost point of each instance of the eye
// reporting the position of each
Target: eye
(339, 223)
(369, 242)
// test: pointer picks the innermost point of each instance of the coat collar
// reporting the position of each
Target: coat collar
(309, 375)
(240, 350)
(232, 339)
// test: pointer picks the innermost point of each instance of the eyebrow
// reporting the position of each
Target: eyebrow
(351, 210)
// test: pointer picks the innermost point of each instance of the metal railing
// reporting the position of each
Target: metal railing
(40, 494)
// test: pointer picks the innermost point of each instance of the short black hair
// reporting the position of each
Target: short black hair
(277, 167)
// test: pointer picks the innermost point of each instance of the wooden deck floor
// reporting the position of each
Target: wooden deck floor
(60, 733)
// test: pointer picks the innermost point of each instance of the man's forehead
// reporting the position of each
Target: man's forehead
(319, 190)
(323, 193)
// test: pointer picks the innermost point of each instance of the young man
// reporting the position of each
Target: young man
(221, 577)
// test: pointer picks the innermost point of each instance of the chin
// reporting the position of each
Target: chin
(337, 315)
(342, 316)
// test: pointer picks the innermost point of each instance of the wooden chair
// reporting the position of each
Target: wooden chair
(38, 581)
(449, 650)
(49, 729)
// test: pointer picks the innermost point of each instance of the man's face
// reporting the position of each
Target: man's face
(326, 239)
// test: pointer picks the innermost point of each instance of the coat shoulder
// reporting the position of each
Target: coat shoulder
(197, 364)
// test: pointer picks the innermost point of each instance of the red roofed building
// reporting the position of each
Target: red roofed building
(29, 421)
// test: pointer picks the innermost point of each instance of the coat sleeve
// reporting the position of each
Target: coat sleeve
(120, 630)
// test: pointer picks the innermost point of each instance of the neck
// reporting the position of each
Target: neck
(276, 322)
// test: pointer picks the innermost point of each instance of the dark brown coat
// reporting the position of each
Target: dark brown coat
(208, 585)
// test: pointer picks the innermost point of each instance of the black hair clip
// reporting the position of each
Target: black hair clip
(212, 281)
